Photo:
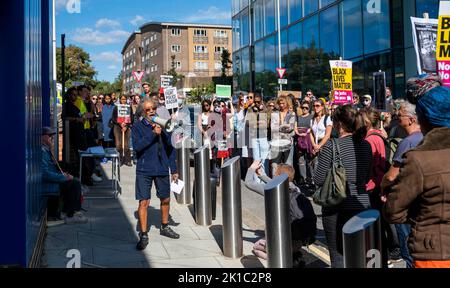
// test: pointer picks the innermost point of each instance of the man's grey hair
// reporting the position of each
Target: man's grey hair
(407, 106)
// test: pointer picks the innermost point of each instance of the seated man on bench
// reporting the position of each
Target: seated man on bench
(56, 183)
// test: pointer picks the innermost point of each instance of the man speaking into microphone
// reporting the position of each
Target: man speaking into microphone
(155, 156)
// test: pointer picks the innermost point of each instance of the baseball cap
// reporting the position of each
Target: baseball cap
(367, 97)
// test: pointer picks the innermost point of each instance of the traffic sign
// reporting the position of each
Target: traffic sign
(282, 81)
(281, 72)
(138, 75)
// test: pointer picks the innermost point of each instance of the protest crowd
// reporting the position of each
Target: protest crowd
(394, 158)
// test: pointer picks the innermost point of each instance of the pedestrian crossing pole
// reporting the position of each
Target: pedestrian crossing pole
(279, 38)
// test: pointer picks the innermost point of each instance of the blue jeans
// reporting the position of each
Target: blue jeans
(403, 231)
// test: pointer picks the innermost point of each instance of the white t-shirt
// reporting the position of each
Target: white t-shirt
(319, 128)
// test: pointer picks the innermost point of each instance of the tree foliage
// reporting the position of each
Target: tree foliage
(77, 66)
(173, 71)
(226, 62)
(201, 92)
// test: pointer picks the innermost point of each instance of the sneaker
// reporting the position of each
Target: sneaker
(168, 232)
(143, 242)
(95, 178)
(77, 218)
(395, 255)
(54, 222)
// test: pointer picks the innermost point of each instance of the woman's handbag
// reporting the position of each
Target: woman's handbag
(334, 189)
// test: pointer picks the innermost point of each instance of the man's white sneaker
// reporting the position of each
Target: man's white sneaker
(95, 178)
(77, 218)
(52, 223)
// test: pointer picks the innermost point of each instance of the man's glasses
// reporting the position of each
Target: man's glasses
(308, 94)
(317, 105)
(305, 108)
(150, 109)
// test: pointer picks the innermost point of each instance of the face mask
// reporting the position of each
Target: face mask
(218, 109)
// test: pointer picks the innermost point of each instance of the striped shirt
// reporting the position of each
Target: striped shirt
(356, 158)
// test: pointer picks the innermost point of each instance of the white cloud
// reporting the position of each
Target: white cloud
(211, 14)
(107, 23)
(137, 20)
(96, 37)
(112, 67)
(108, 56)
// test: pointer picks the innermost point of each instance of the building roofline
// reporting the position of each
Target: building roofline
(180, 24)
(129, 40)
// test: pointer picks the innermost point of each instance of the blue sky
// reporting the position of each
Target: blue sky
(103, 26)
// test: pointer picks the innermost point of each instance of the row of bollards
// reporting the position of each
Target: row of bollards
(361, 234)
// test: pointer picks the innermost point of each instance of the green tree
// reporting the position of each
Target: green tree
(173, 71)
(77, 66)
(153, 82)
(201, 92)
(226, 62)
(116, 86)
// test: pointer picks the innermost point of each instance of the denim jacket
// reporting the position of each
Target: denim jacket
(51, 176)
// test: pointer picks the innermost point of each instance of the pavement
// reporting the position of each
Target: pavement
(109, 239)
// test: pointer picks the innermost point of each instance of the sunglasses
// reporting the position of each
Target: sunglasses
(250, 97)
(306, 107)
(150, 109)
(94, 99)
(308, 94)
(317, 105)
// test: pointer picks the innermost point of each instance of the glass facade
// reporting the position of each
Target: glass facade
(316, 31)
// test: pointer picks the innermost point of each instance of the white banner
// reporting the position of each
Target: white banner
(424, 38)
(170, 93)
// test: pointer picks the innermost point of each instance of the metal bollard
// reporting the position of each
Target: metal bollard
(278, 223)
(183, 159)
(232, 209)
(362, 241)
(203, 212)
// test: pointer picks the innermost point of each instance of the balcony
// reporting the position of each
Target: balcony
(200, 40)
(201, 56)
(220, 41)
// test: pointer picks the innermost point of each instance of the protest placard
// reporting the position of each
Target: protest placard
(341, 73)
(123, 113)
(170, 94)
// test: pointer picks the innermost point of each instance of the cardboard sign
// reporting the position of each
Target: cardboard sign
(166, 81)
(170, 93)
(123, 113)
(443, 43)
(341, 73)
(424, 38)
(222, 149)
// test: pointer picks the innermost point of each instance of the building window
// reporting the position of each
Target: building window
(147, 41)
(200, 32)
(217, 65)
(134, 50)
(219, 50)
(151, 53)
(200, 49)
(175, 48)
(176, 32)
(352, 35)
(143, 58)
(220, 34)
(156, 67)
(201, 65)
(178, 65)
(311, 6)
(155, 52)
(377, 36)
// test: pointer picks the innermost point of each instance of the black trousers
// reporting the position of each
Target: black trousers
(71, 194)
(333, 222)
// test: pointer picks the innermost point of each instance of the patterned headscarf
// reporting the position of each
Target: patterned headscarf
(421, 84)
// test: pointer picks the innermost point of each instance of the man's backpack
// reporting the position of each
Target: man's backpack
(390, 146)
(305, 229)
